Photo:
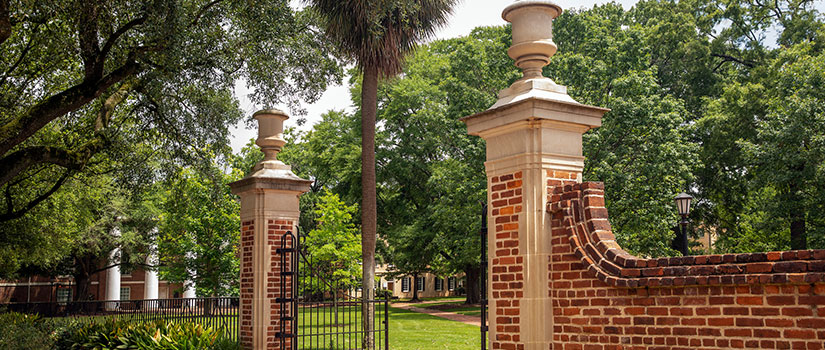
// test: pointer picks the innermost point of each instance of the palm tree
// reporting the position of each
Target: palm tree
(377, 35)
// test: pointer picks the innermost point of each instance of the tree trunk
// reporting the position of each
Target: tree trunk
(81, 282)
(207, 306)
(369, 212)
(799, 237)
(473, 289)
(415, 289)
(82, 277)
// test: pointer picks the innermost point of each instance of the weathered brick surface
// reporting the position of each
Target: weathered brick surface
(507, 266)
(245, 312)
(605, 298)
(275, 229)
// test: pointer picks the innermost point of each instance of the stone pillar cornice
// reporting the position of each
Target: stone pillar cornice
(289, 182)
(528, 108)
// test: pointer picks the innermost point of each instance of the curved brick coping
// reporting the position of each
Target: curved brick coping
(581, 209)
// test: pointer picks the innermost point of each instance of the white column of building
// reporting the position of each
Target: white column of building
(113, 276)
(150, 284)
(189, 289)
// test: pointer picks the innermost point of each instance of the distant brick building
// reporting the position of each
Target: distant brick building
(131, 286)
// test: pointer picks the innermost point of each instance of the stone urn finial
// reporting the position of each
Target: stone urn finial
(271, 140)
(270, 132)
(532, 34)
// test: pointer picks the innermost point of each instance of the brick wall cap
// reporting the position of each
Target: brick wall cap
(604, 257)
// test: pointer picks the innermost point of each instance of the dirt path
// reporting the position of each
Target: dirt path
(471, 320)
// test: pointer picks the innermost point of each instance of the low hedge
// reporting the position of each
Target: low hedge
(26, 332)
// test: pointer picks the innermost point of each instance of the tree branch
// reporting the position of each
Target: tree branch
(107, 46)
(5, 21)
(19, 161)
(109, 105)
(203, 10)
(87, 35)
(18, 130)
(19, 59)
(11, 214)
(727, 58)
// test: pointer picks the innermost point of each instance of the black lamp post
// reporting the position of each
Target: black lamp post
(683, 205)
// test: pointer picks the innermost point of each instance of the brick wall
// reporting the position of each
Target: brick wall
(506, 275)
(605, 298)
(275, 231)
(272, 283)
(246, 287)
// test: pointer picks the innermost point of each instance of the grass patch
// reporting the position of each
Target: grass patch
(413, 331)
(408, 330)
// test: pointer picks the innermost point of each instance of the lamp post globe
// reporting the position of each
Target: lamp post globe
(683, 206)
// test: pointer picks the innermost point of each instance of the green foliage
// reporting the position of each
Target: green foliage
(379, 34)
(329, 155)
(642, 151)
(161, 335)
(198, 233)
(25, 332)
(770, 128)
(432, 175)
(335, 246)
(121, 94)
(99, 215)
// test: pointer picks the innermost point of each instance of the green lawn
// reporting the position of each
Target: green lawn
(408, 330)
(413, 331)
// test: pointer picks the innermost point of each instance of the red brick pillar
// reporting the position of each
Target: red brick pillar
(269, 208)
(534, 143)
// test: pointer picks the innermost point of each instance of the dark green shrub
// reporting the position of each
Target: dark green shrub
(383, 294)
(24, 332)
(160, 335)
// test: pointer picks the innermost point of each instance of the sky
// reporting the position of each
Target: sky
(466, 16)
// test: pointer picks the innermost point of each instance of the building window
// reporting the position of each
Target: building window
(451, 283)
(64, 295)
(125, 293)
(420, 284)
(439, 284)
(405, 284)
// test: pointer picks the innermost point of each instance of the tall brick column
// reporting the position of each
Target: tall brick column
(269, 208)
(534, 143)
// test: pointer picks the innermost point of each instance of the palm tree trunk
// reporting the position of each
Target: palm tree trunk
(369, 105)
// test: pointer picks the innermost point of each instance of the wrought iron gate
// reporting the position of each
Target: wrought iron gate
(324, 313)
(482, 277)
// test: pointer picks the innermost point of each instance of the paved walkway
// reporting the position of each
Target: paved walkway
(471, 320)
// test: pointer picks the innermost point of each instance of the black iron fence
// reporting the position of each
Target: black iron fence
(326, 310)
(482, 281)
(218, 313)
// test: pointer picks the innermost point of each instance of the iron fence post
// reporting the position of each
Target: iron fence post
(483, 277)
